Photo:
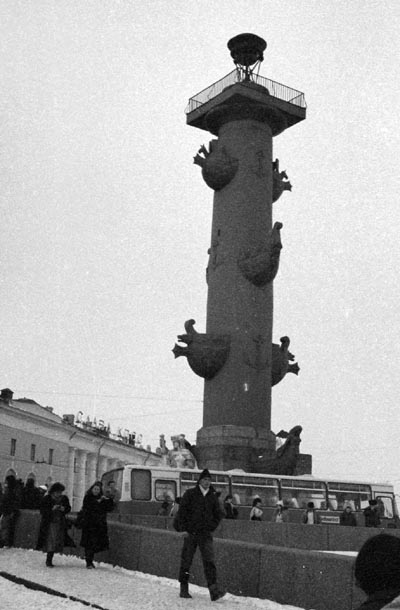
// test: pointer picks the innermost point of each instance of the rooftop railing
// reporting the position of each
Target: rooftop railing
(281, 92)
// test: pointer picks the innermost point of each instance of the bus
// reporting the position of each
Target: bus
(142, 489)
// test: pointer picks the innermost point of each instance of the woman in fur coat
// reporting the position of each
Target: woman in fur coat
(53, 534)
(93, 520)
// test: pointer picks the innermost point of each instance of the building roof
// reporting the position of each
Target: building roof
(31, 406)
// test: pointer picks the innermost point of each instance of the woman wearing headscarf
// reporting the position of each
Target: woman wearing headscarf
(93, 520)
(53, 526)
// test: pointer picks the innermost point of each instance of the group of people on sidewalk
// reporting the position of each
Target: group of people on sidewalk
(91, 519)
(54, 507)
(14, 496)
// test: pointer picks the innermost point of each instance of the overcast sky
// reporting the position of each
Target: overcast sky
(106, 222)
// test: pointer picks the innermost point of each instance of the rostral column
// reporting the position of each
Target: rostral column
(236, 356)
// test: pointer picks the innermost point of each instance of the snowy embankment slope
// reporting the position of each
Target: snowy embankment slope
(105, 587)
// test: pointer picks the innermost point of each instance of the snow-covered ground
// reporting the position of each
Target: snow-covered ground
(105, 587)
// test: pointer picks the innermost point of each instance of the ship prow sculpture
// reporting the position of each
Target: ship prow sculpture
(236, 354)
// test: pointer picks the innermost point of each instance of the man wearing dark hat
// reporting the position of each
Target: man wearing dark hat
(199, 515)
(371, 514)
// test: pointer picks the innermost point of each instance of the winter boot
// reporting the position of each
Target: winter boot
(185, 591)
(49, 560)
(215, 592)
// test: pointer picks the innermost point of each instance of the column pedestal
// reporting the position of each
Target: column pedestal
(230, 447)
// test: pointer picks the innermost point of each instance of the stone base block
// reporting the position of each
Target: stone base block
(245, 448)
(233, 447)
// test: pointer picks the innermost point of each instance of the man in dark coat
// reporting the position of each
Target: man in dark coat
(199, 515)
(371, 514)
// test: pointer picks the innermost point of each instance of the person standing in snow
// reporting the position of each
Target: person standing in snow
(9, 511)
(93, 520)
(53, 526)
(199, 515)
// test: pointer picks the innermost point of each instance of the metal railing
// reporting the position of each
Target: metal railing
(281, 92)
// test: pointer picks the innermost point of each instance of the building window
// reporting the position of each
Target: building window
(13, 446)
(33, 452)
(51, 453)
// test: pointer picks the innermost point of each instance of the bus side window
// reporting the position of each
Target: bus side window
(332, 502)
(140, 485)
(385, 507)
(165, 490)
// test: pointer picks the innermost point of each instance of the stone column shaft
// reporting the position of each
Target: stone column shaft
(240, 394)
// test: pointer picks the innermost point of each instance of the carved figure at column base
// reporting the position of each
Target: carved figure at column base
(280, 361)
(218, 168)
(181, 456)
(206, 353)
(285, 459)
(287, 455)
(260, 265)
(280, 181)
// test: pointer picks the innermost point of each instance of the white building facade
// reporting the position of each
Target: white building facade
(36, 443)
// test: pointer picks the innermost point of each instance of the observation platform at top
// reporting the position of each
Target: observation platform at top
(282, 105)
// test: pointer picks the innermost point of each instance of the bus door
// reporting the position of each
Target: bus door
(296, 493)
(245, 488)
(387, 511)
(116, 476)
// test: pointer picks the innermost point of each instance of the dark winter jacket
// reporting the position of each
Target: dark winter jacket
(93, 520)
(199, 514)
(10, 502)
(348, 519)
(46, 511)
(379, 600)
(31, 497)
(372, 518)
